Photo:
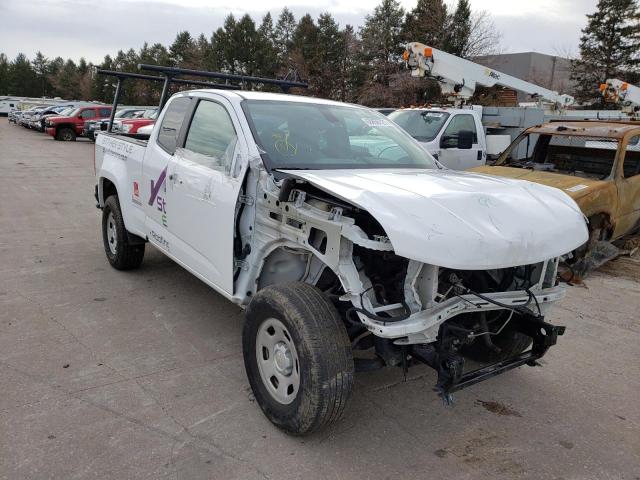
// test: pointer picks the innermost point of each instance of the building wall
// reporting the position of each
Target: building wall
(548, 71)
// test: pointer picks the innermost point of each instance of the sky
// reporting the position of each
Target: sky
(92, 29)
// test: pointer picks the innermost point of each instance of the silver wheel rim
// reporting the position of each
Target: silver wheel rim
(278, 361)
(112, 238)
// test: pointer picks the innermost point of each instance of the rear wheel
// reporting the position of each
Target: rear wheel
(121, 253)
(66, 135)
(298, 357)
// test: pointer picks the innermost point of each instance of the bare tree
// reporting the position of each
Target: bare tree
(484, 38)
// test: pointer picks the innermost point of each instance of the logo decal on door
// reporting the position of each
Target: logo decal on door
(155, 186)
(136, 194)
(161, 205)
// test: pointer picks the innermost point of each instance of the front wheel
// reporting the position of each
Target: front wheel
(121, 253)
(66, 135)
(298, 357)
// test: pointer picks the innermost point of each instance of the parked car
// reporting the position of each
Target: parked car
(132, 125)
(70, 126)
(92, 126)
(338, 232)
(12, 115)
(146, 130)
(597, 163)
(26, 115)
(454, 136)
(38, 119)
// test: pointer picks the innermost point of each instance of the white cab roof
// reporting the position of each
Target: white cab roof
(278, 97)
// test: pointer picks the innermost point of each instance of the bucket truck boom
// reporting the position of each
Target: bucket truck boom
(458, 77)
(621, 93)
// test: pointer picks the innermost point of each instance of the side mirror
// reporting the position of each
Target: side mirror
(463, 140)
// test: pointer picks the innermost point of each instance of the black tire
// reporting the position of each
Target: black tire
(66, 134)
(326, 368)
(126, 256)
(509, 341)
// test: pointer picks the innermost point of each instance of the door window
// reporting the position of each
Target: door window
(456, 125)
(88, 114)
(212, 138)
(631, 166)
(105, 112)
(172, 123)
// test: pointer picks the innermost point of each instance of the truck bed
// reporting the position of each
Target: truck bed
(138, 139)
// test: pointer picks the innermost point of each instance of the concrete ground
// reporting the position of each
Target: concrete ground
(105, 374)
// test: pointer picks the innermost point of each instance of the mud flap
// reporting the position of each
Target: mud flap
(449, 364)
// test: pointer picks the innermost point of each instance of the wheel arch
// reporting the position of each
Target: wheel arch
(106, 188)
(601, 221)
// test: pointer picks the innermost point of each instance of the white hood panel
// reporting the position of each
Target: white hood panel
(460, 220)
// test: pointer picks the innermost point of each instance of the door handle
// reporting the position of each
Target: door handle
(174, 177)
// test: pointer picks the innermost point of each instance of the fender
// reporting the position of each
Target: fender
(115, 171)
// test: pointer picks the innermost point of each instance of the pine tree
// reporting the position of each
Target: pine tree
(305, 39)
(246, 44)
(181, 50)
(352, 70)
(40, 66)
(284, 29)
(458, 33)
(67, 81)
(426, 23)
(101, 86)
(267, 53)
(4, 74)
(608, 48)
(380, 52)
(22, 77)
(224, 48)
(330, 47)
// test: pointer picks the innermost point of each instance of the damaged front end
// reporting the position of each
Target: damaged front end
(467, 324)
(491, 320)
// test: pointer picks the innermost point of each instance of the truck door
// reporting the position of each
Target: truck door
(203, 192)
(628, 183)
(453, 157)
(152, 190)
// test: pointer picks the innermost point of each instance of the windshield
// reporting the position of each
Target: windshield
(126, 113)
(420, 124)
(300, 135)
(73, 112)
(588, 157)
(150, 113)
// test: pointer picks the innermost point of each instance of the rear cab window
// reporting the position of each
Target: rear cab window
(172, 123)
(582, 156)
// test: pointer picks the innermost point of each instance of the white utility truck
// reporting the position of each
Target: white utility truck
(463, 136)
(338, 233)
(454, 136)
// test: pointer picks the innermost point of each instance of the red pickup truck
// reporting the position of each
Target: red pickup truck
(68, 127)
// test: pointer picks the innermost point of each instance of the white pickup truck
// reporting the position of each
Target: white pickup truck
(454, 136)
(338, 233)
